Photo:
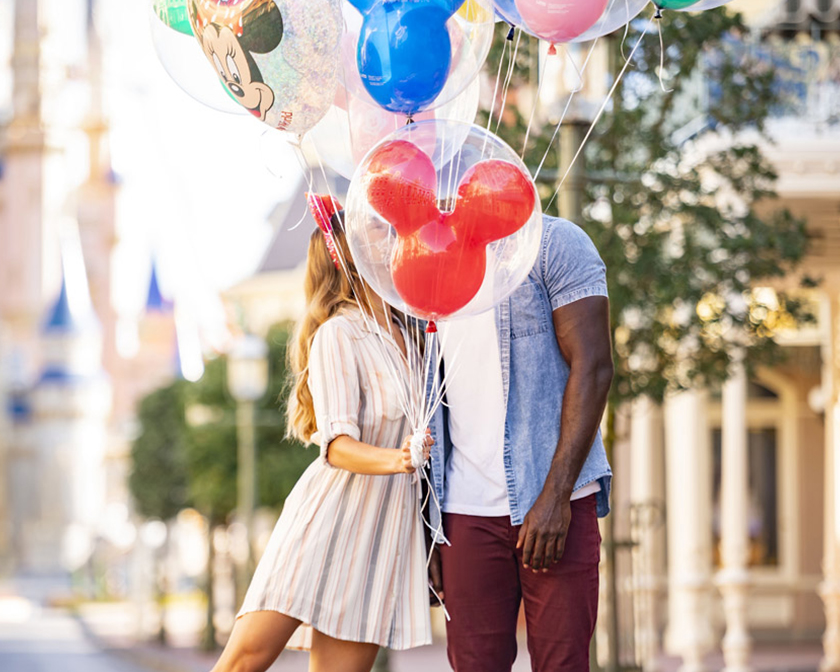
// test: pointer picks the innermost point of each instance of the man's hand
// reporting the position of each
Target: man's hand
(542, 536)
(435, 577)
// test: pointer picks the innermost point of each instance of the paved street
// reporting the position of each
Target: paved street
(37, 640)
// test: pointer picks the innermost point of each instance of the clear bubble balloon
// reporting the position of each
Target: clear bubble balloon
(182, 59)
(443, 220)
(617, 15)
(353, 126)
(466, 36)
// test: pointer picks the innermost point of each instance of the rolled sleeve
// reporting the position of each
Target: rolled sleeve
(572, 269)
(334, 384)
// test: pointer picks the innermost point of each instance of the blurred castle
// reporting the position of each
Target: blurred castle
(67, 394)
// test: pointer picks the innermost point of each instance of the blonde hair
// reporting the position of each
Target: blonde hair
(327, 289)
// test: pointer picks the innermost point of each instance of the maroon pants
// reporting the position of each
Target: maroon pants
(484, 583)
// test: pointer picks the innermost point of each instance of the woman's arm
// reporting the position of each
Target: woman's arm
(347, 453)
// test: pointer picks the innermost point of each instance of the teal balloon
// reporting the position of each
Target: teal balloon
(675, 4)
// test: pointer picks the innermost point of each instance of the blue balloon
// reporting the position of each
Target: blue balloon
(404, 51)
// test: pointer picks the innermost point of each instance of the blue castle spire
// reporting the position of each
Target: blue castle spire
(155, 301)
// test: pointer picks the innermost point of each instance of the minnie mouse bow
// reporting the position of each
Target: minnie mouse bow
(322, 209)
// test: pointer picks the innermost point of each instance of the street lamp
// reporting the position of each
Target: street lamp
(247, 377)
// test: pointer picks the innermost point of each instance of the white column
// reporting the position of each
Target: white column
(646, 497)
(733, 579)
(689, 502)
(830, 587)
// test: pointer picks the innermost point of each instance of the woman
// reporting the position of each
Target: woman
(344, 572)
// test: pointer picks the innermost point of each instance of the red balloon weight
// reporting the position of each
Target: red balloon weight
(440, 258)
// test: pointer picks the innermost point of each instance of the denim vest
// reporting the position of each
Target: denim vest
(534, 372)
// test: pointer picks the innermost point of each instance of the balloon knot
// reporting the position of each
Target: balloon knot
(552, 50)
(409, 120)
(431, 328)
(510, 33)
(658, 14)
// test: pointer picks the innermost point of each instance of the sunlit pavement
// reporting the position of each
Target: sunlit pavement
(33, 639)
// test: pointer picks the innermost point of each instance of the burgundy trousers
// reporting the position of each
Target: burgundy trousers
(484, 584)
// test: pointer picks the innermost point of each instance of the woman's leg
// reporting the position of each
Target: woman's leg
(257, 639)
(337, 655)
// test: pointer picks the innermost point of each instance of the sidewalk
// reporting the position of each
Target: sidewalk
(110, 626)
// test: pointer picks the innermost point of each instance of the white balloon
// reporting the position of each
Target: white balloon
(354, 126)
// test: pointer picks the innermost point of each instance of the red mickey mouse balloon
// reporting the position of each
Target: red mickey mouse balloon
(438, 263)
(443, 220)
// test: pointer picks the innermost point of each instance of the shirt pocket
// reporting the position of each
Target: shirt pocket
(529, 310)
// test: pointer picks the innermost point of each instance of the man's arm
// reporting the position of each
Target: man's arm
(583, 334)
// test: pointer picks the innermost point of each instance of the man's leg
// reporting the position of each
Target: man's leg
(561, 605)
(481, 585)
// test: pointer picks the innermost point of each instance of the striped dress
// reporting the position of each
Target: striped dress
(347, 556)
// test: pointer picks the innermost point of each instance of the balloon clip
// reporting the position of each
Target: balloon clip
(431, 328)
(552, 50)
(409, 120)
(510, 33)
(658, 14)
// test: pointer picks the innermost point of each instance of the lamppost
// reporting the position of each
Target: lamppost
(247, 377)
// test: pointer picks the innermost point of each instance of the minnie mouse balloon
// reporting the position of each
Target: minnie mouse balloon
(174, 44)
(277, 58)
(441, 233)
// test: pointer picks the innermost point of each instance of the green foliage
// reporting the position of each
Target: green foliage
(679, 202)
(177, 463)
(158, 479)
(281, 461)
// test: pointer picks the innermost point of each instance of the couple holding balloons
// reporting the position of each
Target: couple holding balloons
(511, 467)
(452, 364)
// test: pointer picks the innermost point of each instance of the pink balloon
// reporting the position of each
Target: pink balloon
(560, 20)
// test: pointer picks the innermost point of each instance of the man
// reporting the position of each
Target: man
(519, 466)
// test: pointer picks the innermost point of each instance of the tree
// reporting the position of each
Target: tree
(676, 216)
(158, 478)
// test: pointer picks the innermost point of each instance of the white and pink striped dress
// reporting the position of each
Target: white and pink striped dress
(347, 556)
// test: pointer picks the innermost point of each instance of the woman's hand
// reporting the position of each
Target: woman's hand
(404, 465)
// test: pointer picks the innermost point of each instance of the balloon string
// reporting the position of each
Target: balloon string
(308, 177)
(626, 28)
(495, 92)
(536, 102)
(658, 17)
(600, 112)
(572, 93)
(507, 81)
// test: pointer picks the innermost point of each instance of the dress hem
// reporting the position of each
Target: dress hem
(305, 622)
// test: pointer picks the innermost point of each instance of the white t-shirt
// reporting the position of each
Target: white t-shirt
(475, 472)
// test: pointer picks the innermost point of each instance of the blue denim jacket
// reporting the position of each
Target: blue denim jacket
(534, 372)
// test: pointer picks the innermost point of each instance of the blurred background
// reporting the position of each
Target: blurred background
(151, 254)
